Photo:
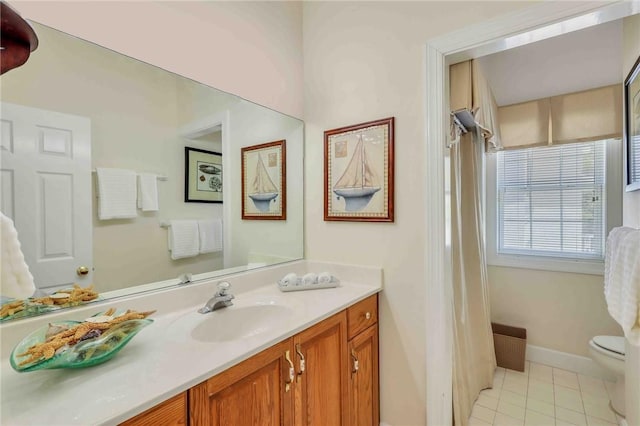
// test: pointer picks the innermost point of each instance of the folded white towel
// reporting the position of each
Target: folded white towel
(17, 281)
(622, 280)
(324, 278)
(148, 192)
(116, 194)
(310, 278)
(183, 239)
(289, 279)
(210, 235)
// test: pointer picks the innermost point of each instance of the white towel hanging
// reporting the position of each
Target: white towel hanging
(622, 280)
(148, 192)
(17, 281)
(184, 240)
(210, 235)
(117, 194)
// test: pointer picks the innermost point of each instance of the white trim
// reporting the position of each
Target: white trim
(439, 355)
(496, 35)
(570, 362)
(439, 333)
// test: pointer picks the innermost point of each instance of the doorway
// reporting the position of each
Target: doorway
(534, 24)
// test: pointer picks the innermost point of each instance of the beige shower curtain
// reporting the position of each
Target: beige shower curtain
(474, 358)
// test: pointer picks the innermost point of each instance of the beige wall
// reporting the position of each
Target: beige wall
(560, 310)
(365, 61)
(631, 217)
(251, 49)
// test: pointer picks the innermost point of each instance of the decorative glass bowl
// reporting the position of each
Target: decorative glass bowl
(86, 353)
(30, 309)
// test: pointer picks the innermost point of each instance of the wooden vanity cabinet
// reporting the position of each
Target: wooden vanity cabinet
(364, 394)
(321, 388)
(363, 384)
(172, 412)
(325, 375)
(257, 391)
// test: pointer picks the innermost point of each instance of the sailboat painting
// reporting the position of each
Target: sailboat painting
(359, 172)
(264, 181)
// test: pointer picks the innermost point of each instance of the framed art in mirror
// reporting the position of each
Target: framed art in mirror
(202, 176)
(358, 172)
(632, 126)
(264, 183)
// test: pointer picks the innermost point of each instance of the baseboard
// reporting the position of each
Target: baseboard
(570, 362)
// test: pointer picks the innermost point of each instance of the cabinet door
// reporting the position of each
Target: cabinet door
(172, 412)
(363, 385)
(322, 374)
(254, 392)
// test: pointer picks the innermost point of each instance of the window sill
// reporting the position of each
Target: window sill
(589, 267)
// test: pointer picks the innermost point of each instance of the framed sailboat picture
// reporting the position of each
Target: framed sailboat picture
(358, 172)
(264, 182)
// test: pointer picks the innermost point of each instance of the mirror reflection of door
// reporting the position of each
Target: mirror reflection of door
(46, 191)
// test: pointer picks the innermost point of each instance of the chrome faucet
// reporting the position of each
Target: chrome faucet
(221, 299)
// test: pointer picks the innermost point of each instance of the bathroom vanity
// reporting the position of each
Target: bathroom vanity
(303, 358)
(326, 374)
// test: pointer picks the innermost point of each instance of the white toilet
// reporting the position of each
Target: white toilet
(608, 351)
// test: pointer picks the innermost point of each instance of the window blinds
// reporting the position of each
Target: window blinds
(634, 158)
(551, 201)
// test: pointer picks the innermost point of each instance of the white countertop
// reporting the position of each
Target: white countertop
(160, 362)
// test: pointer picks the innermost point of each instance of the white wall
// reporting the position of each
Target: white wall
(631, 217)
(251, 49)
(364, 61)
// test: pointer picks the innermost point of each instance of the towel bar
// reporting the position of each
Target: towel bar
(159, 177)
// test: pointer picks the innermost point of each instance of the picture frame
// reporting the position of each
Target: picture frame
(632, 127)
(359, 172)
(203, 176)
(264, 181)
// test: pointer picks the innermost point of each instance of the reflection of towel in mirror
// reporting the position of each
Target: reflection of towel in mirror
(17, 281)
(148, 192)
(210, 235)
(116, 194)
(622, 280)
(183, 239)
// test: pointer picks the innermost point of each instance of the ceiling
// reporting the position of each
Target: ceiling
(569, 63)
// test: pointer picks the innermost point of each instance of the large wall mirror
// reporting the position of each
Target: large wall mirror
(76, 107)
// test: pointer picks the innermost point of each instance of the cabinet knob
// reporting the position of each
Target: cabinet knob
(367, 315)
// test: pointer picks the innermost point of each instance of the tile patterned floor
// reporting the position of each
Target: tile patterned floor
(544, 396)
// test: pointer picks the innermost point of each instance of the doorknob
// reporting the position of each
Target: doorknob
(82, 270)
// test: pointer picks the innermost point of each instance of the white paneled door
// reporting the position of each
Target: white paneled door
(46, 190)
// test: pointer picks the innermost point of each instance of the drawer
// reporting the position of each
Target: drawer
(362, 315)
(169, 413)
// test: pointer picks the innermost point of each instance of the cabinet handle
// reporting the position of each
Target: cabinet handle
(356, 364)
(302, 363)
(367, 315)
(292, 372)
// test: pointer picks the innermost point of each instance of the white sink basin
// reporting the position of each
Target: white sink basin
(245, 319)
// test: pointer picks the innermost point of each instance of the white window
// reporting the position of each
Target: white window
(548, 206)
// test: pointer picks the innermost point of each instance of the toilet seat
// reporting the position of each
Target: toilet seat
(611, 345)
